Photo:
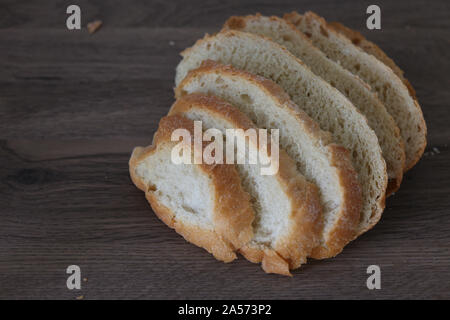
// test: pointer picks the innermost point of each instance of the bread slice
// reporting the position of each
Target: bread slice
(371, 48)
(357, 91)
(204, 203)
(322, 162)
(390, 89)
(326, 105)
(287, 208)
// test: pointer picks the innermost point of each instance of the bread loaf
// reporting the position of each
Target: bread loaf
(287, 208)
(326, 105)
(322, 162)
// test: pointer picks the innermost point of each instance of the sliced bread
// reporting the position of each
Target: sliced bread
(357, 91)
(371, 48)
(322, 102)
(396, 97)
(318, 159)
(287, 208)
(215, 215)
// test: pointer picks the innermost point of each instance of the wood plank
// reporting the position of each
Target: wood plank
(73, 105)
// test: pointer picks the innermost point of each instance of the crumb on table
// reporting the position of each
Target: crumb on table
(94, 26)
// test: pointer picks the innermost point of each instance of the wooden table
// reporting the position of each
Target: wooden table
(73, 105)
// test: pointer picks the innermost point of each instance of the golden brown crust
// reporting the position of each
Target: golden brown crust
(233, 214)
(348, 216)
(295, 18)
(235, 23)
(305, 223)
(306, 214)
(273, 263)
(347, 222)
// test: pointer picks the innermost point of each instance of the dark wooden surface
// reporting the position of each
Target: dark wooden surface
(73, 105)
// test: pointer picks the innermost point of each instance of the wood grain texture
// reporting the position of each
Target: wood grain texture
(73, 105)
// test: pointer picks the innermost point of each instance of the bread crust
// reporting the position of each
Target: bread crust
(271, 261)
(342, 32)
(346, 227)
(347, 218)
(371, 48)
(240, 22)
(305, 224)
(233, 214)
